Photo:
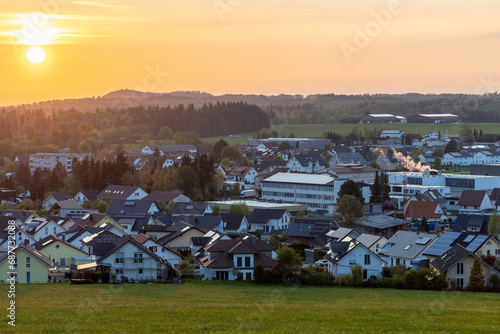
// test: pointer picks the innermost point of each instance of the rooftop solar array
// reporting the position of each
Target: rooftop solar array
(477, 242)
(442, 244)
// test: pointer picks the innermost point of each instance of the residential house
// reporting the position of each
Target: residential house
(474, 201)
(234, 223)
(69, 208)
(45, 228)
(61, 252)
(181, 239)
(487, 157)
(204, 223)
(122, 192)
(156, 232)
(160, 250)
(22, 215)
(462, 158)
(30, 265)
(340, 259)
(344, 234)
(236, 258)
(307, 229)
(471, 223)
(167, 197)
(132, 260)
(124, 207)
(456, 265)
(431, 211)
(306, 163)
(405, 246)
(87, 195)
(479, 244)
(54, 198)
(269, 221)
(20, 236)
(244, 175)
(97, 220)
(372, 242)
(191, 209)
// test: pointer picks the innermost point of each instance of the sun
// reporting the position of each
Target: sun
(36, 54)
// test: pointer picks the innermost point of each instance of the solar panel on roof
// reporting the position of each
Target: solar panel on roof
(469, 238)
(477, 242)
(442, 244)
(129, 203)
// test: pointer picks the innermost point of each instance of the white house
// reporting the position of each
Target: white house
(132, 260)
(487, 157)
(161, 250)
(268, 221)
(432, 135)
(122, 192)
(340, 259)
(45, 229)
(463, 158)
(471, 201)
(305, 164)
(244, 175)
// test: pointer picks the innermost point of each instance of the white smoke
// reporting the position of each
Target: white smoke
(406, 161)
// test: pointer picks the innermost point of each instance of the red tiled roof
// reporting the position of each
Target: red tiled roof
(422, 209)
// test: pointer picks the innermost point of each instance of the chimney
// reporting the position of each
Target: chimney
(253, 240)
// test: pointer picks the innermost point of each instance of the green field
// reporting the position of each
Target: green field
(239, 307)
(317, 130)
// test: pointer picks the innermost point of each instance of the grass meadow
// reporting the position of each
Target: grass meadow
(240, 307)
(317, 130)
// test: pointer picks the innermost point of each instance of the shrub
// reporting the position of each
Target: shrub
(345, 280)
(316, 275)
(356, 274)
(95, 276)
(105, 277)
(495, 283)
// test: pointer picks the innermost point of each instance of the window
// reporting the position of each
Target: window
(367, 258)
(119, 271)
(497, 251)
(352, 261)
(62, 262)
(15, 262)
(247, 261)
(460, 282)
(153, 248)
(55, 230)
(365, 274)
(119, 257)
(239, 262)
(28, 262)
(137, 257)
(140, 271)
(46, 230)
(460, 269)
(397, 261)
(488, 252)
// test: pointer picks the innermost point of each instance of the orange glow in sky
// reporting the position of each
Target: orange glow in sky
(92, 47)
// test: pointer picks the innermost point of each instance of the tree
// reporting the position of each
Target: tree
(494, 223)
(476, 278)
(165, 133)
(284, 146)
(452, 146)
(373, 164)
(189, 183)
(376, 193)
(349, 210)
(218, 147)
(424, 225)
(386, 188)
(289, 257)
(350, 187)
(438, 150)
(239, 208)
(437, 163)
(156, 153)
(232, 153)
(466, 133)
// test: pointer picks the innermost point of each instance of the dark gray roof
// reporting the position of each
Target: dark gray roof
(452, 256)
(129, 239)
(233, 220)
(262, 216)
(194, 208)
(118, 192)
(368, 239)
(120, 207)
(309, 227)
(204, 223)
(18, 214)
(164, 196)
(406, 244)
(90, 194)
(61, 196)
(464, 221)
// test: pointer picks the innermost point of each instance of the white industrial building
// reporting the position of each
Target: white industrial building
(318, 192)
(446, 183)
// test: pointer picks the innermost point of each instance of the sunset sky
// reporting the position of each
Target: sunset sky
(267, 47)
